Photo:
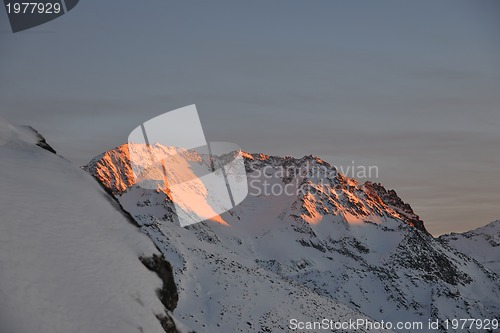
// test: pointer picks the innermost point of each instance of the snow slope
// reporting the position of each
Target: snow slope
(482, 244)
(334, 249)
(69, 260)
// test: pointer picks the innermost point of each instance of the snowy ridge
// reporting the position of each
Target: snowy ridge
(355, 248)
(482, 244)
(69, 260)
(21, 135)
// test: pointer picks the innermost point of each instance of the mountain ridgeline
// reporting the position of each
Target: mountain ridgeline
(328, 247)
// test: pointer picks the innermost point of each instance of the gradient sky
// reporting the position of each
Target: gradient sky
(411, 87)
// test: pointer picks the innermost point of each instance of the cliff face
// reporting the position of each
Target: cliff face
(168, 292)
(393, 201)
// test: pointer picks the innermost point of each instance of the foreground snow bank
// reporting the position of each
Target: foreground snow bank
(69, 261)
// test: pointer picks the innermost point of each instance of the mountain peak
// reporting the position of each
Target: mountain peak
(302, 224)
(320, 189)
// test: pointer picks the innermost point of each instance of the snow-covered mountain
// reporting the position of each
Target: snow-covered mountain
(482, 244)
(70, 260)
(327, 247)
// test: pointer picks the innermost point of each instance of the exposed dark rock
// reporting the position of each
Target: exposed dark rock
(42, 143)
(434, 264)
(168, 293)
(391, 199)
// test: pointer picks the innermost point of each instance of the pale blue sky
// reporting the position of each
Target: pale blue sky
(412, 87)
